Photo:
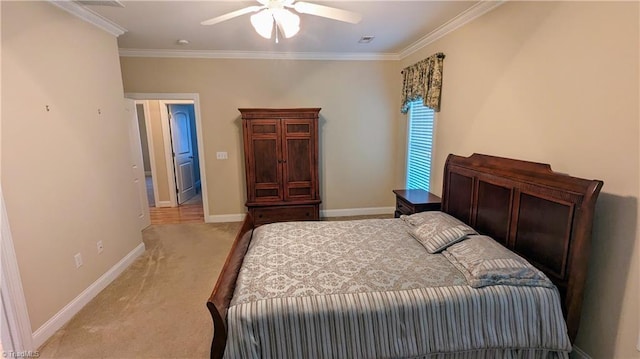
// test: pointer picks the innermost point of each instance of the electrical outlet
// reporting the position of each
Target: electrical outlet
(78, 258)
(221, 155)
(100, 247)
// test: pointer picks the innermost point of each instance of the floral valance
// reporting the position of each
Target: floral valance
(423, 80)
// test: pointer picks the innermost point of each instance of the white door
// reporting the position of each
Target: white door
(137, 167)
(16, 334)
(6, 341)
(182, 151)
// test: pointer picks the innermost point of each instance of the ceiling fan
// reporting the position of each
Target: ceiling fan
(278, 12)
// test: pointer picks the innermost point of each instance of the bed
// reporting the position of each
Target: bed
(542, 216)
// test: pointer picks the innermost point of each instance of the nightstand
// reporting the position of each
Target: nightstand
(410, 201)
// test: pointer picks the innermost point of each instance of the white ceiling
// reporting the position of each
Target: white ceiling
(397, 26)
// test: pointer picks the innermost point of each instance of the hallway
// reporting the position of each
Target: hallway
(189, 212)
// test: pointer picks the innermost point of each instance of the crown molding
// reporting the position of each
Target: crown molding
(89, 16)
(463, 18)
(261, 55)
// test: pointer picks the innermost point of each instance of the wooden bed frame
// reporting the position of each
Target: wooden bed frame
(545, 217)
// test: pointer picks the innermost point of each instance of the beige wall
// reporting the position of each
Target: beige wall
(557, 82)
(357, 125)
(66, 172)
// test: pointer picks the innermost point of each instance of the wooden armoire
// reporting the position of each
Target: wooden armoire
(281, 164)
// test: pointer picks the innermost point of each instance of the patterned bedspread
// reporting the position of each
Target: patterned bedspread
(367, 289)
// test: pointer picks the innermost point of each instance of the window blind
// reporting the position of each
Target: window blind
(419, 143)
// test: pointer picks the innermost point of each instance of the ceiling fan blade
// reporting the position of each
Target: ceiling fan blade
(328, 12)
(231, 15)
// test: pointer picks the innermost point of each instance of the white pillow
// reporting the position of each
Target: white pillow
(437, 230)
(485, 262)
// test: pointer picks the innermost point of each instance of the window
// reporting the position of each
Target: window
(419, 142)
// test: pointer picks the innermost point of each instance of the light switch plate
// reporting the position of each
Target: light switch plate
(78, 259)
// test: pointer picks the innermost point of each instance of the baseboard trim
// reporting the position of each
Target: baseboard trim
(219, 218)
(42, 334)
(324, 213)
(356, 211)
(163, 203)
(578, 353)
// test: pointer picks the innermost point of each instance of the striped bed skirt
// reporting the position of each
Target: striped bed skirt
(439, 322)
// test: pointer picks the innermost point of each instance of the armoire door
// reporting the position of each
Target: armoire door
(299, 159)
(262, 139)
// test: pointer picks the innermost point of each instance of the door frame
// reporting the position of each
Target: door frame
(177, 98)
(131, 109)
(152, 156)
(19, 337)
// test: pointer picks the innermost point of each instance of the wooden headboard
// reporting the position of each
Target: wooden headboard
(545, 217)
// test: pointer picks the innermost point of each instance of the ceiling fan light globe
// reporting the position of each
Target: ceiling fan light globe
(302, 7)
(263, 23)
(290, 32)
(288, 22)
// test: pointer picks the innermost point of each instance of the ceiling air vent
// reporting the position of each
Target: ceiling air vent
(114, 3)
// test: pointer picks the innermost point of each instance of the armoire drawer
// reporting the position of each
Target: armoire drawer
(263, 215)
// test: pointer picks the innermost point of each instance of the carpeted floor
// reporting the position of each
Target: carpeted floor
(156, 308)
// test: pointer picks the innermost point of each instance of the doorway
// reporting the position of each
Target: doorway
(171, 139)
